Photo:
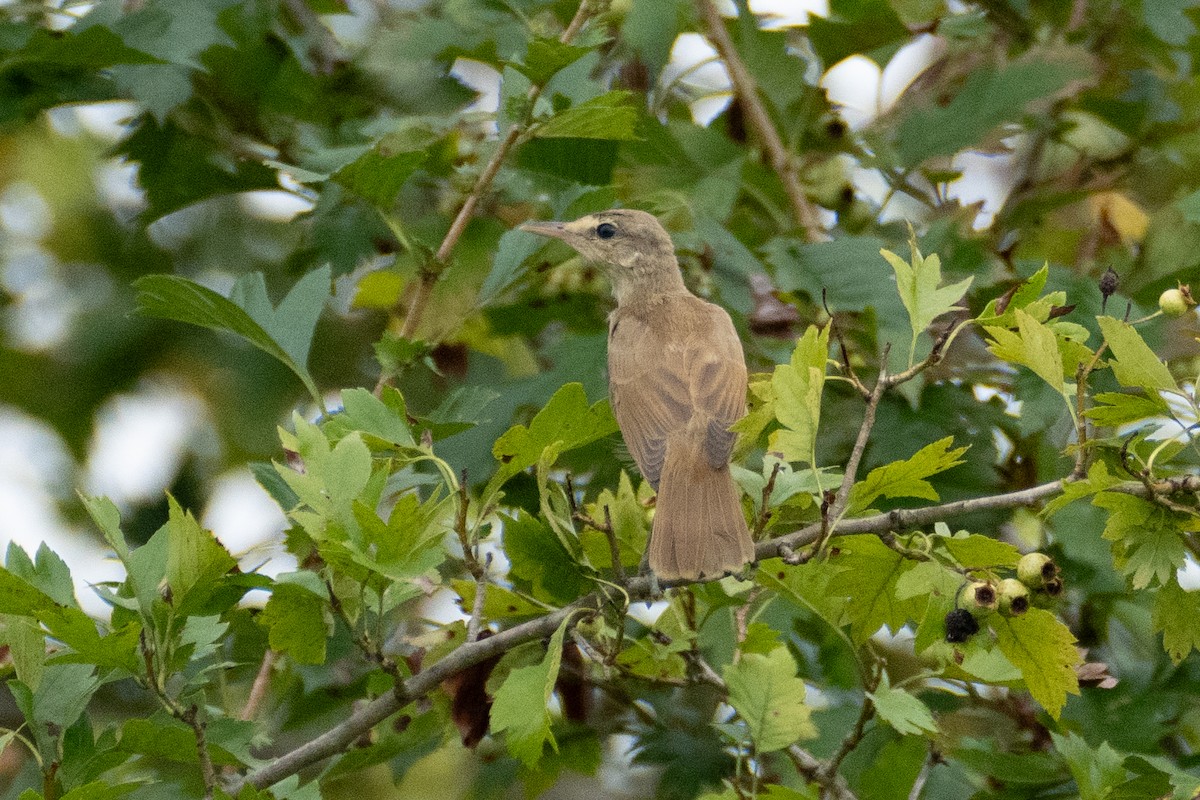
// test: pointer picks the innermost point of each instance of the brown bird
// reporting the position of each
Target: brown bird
(677, 380)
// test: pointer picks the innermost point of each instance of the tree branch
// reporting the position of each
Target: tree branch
(746, 91)
(343, 735)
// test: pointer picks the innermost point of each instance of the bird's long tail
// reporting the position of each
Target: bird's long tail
(699, 530)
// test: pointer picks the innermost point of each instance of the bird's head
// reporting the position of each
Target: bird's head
(629, 243)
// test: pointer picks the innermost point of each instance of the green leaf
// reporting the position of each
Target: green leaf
(93, 48)
(378, 174)
(1177, 617)
(901, 710)
(1117, 408)
(1134, 363)
(1027, 298)
(768, 696)
(108, 519)
(284, 332)
(383, 417)
(515, 246)
(1190, 206)
(797, 388)
(99, 790)
(498, 602)
(867, 574)
(907, 478)
(520, 706)
(1098, 479)
(27, 648)
(919, 285)
(629, 526)
(609, 116)
(295, 620)
(1097, 770)
(567, 422)
(1032, 345)
(1043, 649)
(195, 559)
(545, 57)
(988, 98)
(1147, 538)
(540, 561)
(980, 552)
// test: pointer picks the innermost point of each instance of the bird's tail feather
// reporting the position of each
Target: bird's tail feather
(699, 530)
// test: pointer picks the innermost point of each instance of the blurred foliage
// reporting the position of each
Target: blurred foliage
(298, 168)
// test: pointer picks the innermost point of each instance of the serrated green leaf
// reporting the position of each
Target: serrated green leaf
(545, 57)
(901, 710)
(107, 517)
(498, 602)
(974, 551)
(520, 706)
(378, 174)
(1177, 618)
(567, 420)
(295, 620)
(195, 559)
(1043, 649)
(175, 298)
(797, 388)
(1117, 408)
(1098, 479)
(987, 98)
(383, 417)
(768, 696)
(609, 116)
(1026, 295)
(867, 574)
(919, 285)
(1147, 537)
(907, 478)
(1134, 363)
(1097, 770)
(1035, 346)
(539, 560)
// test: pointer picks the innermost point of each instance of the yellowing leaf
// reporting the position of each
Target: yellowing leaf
(1134, 363)
(1177, 617)
(797, 388)
(919, 285)
(1032, 345)
(768, 696)
(1043, 649)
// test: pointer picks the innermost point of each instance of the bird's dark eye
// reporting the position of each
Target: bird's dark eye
(606, 230)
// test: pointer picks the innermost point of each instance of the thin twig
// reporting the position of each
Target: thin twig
(850, 742)
(614, 547)
(756, 114)
(431, 272)
(207, 771)
(475, 624)
(919, 784)
(258, 691)
(764, 511)
(809, 766)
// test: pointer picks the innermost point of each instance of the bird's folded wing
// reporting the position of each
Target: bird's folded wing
(658, 385)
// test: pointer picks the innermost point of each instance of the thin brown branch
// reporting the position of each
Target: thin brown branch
(764, 511)
(258, 691)
(852, 740)
(809, 766)
(614, 547)
(207, 771)
(752, 106)
(432, 272)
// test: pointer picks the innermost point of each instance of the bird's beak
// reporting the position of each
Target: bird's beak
(550, 228)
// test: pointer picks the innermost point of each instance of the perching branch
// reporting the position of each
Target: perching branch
(746, 91)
